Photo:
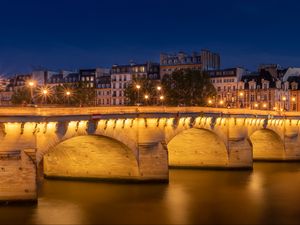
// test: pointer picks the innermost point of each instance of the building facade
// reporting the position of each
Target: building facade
(103, 91)
(227, 83)
(122, 75)
(205, 60)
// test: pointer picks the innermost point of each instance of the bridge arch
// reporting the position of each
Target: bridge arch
(197, 147)
(267, 145)
(90, 157)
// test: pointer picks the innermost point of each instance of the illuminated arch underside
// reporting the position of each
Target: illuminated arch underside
(267, 145)
(197, 148)
(91, 157)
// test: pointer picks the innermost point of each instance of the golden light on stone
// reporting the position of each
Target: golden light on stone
(241, 94)
(275, 108)
(255, 105)
(265, 105)
(221, 102)
(293, 99)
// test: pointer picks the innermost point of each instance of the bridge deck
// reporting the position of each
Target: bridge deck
(62, 111)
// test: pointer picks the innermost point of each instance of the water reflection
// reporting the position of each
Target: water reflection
(268, 194)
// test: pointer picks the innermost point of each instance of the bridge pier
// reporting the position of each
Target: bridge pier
(17, 177)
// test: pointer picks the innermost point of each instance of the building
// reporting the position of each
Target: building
(88, 76)
(205, 60)
(20, 81)
(122, 75)
(63, 78)
(4, 82)
(263, 90)
(227, 83)
(41, 76)
(103, 91)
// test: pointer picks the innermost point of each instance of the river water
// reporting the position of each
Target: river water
(268, 194)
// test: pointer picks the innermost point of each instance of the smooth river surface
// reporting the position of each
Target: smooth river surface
(268, 194)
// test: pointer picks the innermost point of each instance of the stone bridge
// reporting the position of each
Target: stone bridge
(138, 144)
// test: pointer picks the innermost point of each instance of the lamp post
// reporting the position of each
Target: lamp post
(221, 103)
(158, 88)
(146, 98)
(209, 102)
(283, 99)
(162, 99)
(31, 86)
(45, 93)
(294, 103)
(138, 93)
(241, 94)
(68, 94)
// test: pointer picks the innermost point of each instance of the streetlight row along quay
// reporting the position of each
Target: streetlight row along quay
(45, 91)
(146, 96)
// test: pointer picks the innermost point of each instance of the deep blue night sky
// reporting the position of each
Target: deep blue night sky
(74, 34)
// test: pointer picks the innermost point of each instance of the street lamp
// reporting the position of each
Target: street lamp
(146, 97)
(158, 88)
(221, 102)
(31, 85)
(138, 93)
(264, 105)
(241, 94)
(283, 99)
(209, 101)
(45, 92)
(255, 105)
(162, 99)
(68, 94)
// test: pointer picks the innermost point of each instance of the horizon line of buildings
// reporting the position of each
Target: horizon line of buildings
(270, 87)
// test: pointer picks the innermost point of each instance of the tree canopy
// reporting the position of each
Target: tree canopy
(147, 88)
(182, 87)
(187, 87)
(79, 95)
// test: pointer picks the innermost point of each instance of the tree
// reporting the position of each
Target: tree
(84, 95)
(147, 88)
(80, 94)
(21, 96)
(187, 87)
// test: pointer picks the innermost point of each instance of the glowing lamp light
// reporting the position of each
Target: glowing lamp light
(221, 102)
(138, 86)
(241, 94)
(161, 97)
(45, 92)
(275, 108)
(209, 102)
(283, 98)
(265, 105)
(293, 99)
(146, 96)
(31, 83)
(158, 88)
(68, 93)
(255, 105)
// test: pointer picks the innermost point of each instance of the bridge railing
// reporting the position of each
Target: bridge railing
(61, 111)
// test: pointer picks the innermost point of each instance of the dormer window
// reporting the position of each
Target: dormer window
(294, 86)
